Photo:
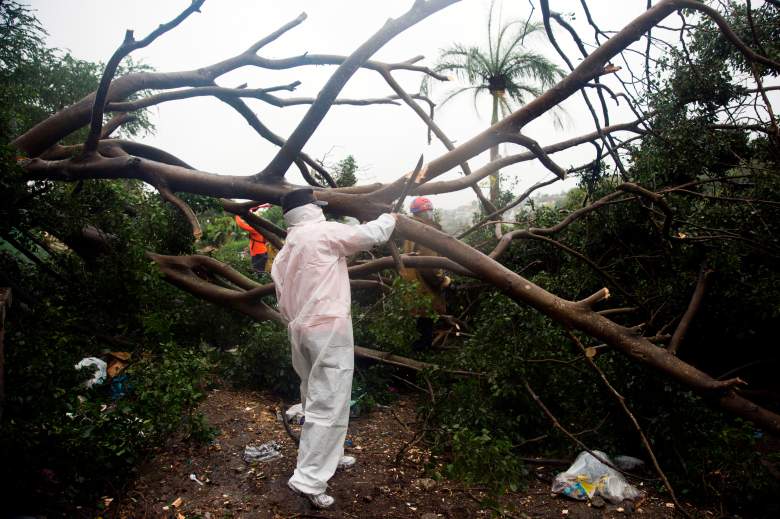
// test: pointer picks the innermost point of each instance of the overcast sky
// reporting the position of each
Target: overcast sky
(385, 140)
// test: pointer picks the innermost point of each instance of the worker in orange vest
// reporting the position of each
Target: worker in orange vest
(258, 249)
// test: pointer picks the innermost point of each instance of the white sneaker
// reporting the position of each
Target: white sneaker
(318, 500)
(346, 462)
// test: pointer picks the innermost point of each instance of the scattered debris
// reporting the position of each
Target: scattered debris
(588, 477)
(99, 367)
(426, 484)
(295, 415)
(205, 478)
(117, 362)
(264, 452)
(119, 387)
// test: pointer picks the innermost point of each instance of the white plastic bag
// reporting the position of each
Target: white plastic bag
(100, 370)
(294, 415)
(588, 477)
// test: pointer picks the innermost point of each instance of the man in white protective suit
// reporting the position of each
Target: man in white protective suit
(312, 289)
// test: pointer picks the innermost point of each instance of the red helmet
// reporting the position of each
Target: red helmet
(421, 204)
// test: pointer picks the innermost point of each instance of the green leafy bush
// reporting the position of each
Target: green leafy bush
(389, 322)
(62, 442)
(262, 361)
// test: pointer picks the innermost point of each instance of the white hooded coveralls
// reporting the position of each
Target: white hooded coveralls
(312, 289)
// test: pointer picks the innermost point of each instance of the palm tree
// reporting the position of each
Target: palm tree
(505, 69)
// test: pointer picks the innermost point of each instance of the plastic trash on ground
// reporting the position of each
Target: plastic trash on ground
(355, 407)
(264, 452)
(100, 370)
(588, 477)
(117, 362)
(295, 415)
(119, 387)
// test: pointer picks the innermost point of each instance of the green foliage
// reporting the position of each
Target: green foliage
(480, 458)
(389, 324)
(262, 361)
(726, 219)
(37, 81)
(346, 172)
(64, 442)
(373, 385)
(235, 253)
(77, 297)
(74, 256)
(218, 229)
(503, 67)
(764, 35)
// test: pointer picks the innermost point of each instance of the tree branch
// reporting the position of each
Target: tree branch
(114, 123)
(128, 46)
(270, 136)
(621, 400)
(187, 93)
(433, 127)
(510, 205)
(729, 33)
(186, 210)
(281, 162)
(690, 312)
(432, 188)
(538, 152)
(573, 315)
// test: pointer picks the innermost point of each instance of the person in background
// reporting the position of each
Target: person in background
(258, 249)
(431, 282)
(313, 294)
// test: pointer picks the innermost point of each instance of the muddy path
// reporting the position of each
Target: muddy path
(375, 487)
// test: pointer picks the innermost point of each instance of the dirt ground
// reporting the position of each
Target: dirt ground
(375, 487)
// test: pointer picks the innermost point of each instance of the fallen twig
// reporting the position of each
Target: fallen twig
(645, 442)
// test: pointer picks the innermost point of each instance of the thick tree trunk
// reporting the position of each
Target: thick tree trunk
(495, 178)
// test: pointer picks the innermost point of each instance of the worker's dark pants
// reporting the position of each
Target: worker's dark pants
(258, 262)
(425, 328)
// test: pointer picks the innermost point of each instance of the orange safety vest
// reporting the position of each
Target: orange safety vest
(256, 240)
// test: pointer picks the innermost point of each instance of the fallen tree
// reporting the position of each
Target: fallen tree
(106, 158)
